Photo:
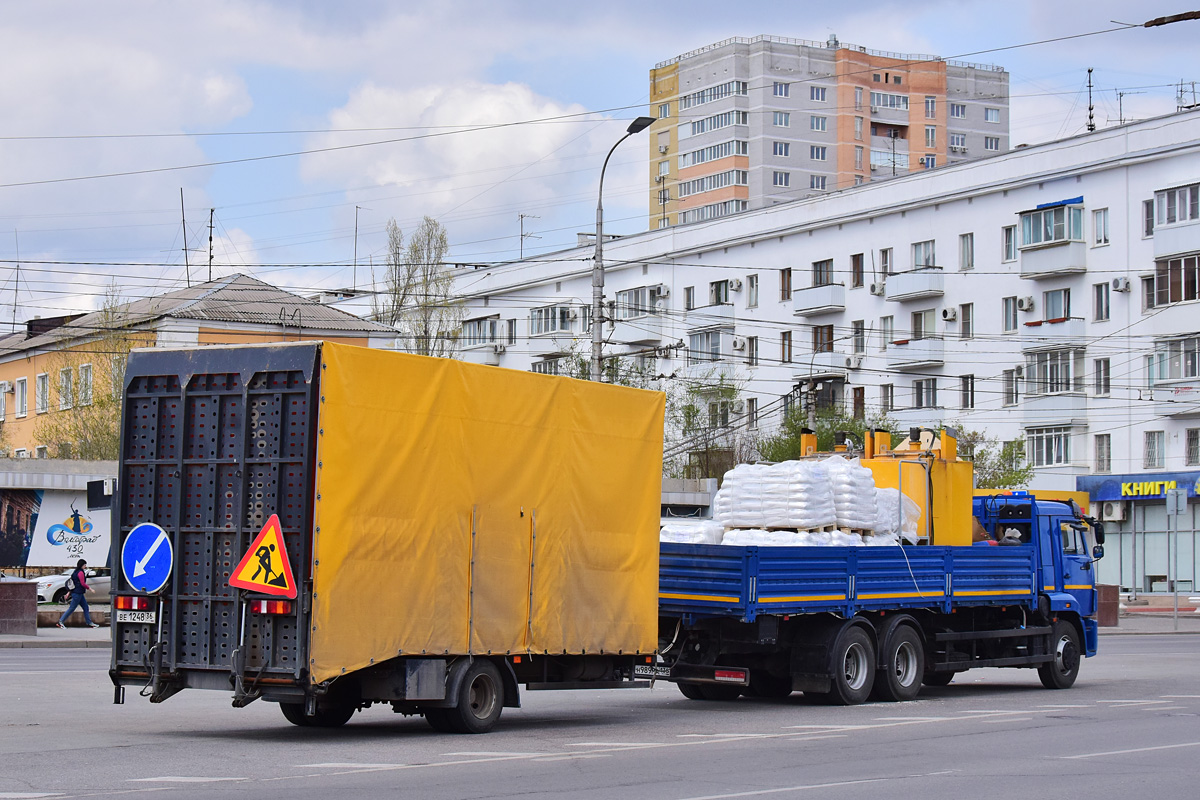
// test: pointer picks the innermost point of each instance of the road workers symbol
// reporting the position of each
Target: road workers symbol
(265, 568)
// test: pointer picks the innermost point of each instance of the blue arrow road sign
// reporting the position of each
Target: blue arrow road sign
(146, 557)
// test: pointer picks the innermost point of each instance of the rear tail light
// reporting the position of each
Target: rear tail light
(730, 675)
(134, 603)
(271, 606)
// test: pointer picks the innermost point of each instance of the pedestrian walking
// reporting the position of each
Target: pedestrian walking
(77, 583)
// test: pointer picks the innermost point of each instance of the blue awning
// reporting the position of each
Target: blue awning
(1074, 201)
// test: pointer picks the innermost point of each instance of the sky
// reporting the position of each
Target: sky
(287, 121)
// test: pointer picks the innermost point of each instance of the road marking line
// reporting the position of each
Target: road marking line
(183, 779)
(1064, 705)
(786, 789)
(614, 744)
(1006, 720)
(1134, 750)
(498, 753)
(345, 765)
(20, 795)
(1181, 696)
(1134, 702)
(572, 756)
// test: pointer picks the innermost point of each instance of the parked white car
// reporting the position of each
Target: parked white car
(52, 588)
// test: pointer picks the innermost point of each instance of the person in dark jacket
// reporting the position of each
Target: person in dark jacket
(77, 597)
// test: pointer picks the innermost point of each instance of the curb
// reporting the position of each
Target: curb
(59, 644)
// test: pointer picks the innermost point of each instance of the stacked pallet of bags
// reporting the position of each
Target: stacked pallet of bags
(791, 495)
(853, 493)
(897, 517)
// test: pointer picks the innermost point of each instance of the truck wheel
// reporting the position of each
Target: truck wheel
(438, 720)
(764, 684)
(720, 693)
(480, 700)
(904, 658)
(938, 678)
(1064, 669)
(329, 715)
(690, 690)
(853, 668)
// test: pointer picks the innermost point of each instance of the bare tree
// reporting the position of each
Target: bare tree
(418, 291)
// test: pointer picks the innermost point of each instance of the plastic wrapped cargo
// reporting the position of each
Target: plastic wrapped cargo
(853, 488)
(791, 494)
(689, 532)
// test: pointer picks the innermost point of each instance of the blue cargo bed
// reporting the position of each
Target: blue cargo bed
(699, 580)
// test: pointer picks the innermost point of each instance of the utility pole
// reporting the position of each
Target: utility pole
(187, 269)
(1091, 123)
(521, 220)
(211, 211)
(354, 270)
(16, 279)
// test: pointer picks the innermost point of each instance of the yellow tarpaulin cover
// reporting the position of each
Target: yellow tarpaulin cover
(471, 509)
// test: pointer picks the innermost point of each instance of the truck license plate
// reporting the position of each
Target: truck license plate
(136, 616)
(651, 671)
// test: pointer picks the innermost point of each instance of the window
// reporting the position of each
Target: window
(1100, 305)
(818, 123)
(752, 291)
(887, 397)
(718, 121)
(958, 141)
(782, 89)
(66, 388)
(479, 331)
(1009, 313)
(1056, 304)
(1173, 360)
(41, 451)
(816, 93)
(887, 331)
(20, 452)
(752, 351)
(637, 302)
(856, 270)
(923, 324)
(816, 181)
(1176, 280)
(1058, 224)
(734, 147)
(1193, 447)
(548, 320)
(887, 100)
(1147, 294)
(817, 152)
(1102, 371)
(664, 167)
(1011, 392)
(929, 161)
(3, 405)
(1100, 227)
(1103, 444)
(1153, 454)
(822, 272)
(718, 414)
(1177, 205)
(966, 321)
(752, 413)
(718, 180)
(512, 327)
(785, 347)
(664, 196)
(885, 261)
(41, 393)
(958, 111)
(822, 338)
(713, 93)
(991, 115)
(1010, 243)
(966, 391)
(925, 393)
(930, 136)
(1054, 372)
(547, 366)
(1048, 446)
(664, 110)
(1147, 218)
(705, 346)
(858, 158)
(858, 98)
(783, 148)
(782, 178)
(966, 251)
(930, 108)
(785, 284)
(781, 119)
(923, 254)
(718, 293)
(689, 298)
(118, 374)
(858, 128)
(875, 78)
(859, 401)
(858, 335)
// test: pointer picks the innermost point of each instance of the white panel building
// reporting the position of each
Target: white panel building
(1049, 294)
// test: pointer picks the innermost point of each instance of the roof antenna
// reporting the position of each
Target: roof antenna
(210, 252)
(1091, 126)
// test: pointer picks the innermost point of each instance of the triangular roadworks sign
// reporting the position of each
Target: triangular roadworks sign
(265, 568)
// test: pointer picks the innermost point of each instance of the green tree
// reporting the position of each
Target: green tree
(998, 465)
(784, 444)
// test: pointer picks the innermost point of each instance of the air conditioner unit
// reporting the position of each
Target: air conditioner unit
(1019, 371)
(573, 313)
(663, 290)
(739, 406)
(663, 148)
(735, 285)
(6, 387)
(949, 314)
(739, 343)
(1112, 511)
(658, 178)
(498, 349)
(1120, 284)
(854, 362)
(1024, 304)
(874, 109)
(878, 289)
(874, 167)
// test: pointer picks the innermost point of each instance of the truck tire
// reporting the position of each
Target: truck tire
(938, 678)
(439, 720)
(904, 659)
(479, 702)
(329, 715)
(852, 668)
(764, 684)
(690, 690)
(720, 693)
(1064, 669)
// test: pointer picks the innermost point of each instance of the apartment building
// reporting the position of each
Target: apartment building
(751, 122)
(1047, 295)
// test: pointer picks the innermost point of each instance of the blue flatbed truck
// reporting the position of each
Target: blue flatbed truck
(845, 624)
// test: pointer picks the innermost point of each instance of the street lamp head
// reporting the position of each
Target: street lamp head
(640, 124)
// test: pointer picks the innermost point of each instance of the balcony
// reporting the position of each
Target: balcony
(709, 372)
(490, 353)
(1054, 259)
(647, 329)
(889, 115)
(818, 300)
(915, 284)
(1181, 401)
(1176, 239)
(717, 316)
(1066, 332)
(824, 365)
(1068, 408)
(906, 418)
(916, 353)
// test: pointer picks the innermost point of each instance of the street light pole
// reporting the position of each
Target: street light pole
(638, 125)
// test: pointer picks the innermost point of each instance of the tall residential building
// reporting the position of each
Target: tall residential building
(747, 123)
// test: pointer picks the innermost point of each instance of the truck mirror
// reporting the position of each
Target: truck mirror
(1099, 531)
(1098, 552)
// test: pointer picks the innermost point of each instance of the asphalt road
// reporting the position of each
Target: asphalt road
(1129, 728)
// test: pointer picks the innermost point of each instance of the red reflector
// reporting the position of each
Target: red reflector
(516, 659)
(271, 606)
(729, 675)
(133, 603)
